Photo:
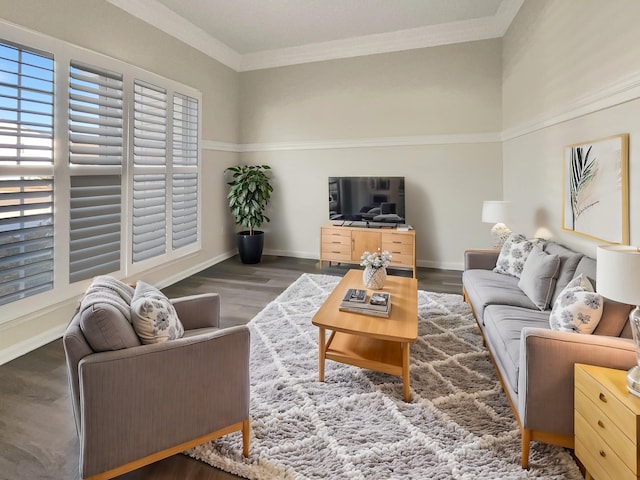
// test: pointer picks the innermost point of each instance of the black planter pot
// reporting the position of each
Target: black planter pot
(250, 246)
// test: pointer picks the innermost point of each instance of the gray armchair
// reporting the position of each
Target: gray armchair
(142, 403)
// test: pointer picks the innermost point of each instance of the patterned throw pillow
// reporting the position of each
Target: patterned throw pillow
(513, 254)
(153, 316)
(578, 308)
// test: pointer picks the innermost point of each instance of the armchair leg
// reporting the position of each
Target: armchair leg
(246, 437)
(526, 443)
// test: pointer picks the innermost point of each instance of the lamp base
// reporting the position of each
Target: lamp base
(499, 233)
(633, 375)
(633, 380)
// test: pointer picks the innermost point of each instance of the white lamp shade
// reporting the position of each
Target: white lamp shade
(618, 273)
(495, 211)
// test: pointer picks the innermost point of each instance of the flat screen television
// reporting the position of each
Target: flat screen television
(375, 200)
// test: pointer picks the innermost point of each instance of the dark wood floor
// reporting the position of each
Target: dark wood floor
(37, 432)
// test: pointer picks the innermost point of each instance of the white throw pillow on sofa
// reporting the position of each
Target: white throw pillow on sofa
(514, 254)
(578, 308)
(153, 315)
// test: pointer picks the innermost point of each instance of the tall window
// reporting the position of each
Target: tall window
(95, 157)
(26, 183)
(124, 164)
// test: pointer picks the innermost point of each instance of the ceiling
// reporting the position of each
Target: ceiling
(254, 34)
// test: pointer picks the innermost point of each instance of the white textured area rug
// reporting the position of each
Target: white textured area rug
(458, 424)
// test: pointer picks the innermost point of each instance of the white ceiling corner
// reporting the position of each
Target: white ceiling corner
(451, 23)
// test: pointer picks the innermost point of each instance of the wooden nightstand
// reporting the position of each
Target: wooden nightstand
(606, 423)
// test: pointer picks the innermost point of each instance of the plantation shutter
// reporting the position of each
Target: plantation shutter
(95, 139)
(95, 116)
(149, 219)
(185, 209)
(26, 107)
(185, 159)
(150, 175)
(95, 226)
(26, 149)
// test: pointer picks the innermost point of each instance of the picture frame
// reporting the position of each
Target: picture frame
(595, 196)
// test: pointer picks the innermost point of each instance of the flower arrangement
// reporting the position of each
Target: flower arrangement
(375, 260)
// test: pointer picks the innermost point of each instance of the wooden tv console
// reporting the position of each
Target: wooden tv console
(346, 244)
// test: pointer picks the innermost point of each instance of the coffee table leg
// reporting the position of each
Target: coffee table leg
(405, 371)
(321, 348)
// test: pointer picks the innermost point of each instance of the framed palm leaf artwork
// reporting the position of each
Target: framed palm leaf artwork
(595, 199)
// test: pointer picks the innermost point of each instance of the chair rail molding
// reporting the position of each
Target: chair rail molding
(377, 142)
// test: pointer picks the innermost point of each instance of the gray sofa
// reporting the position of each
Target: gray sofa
(535, 363)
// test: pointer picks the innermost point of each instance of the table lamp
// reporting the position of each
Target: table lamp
(497, 212)
(618, 278)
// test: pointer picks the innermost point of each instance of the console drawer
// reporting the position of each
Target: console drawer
(336, 252)
(335, 239)
(398, 249)
(396, 239)
(402, 260)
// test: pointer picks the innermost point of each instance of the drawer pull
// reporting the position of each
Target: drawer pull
(600, 424)
(602, 454)
(602, 397)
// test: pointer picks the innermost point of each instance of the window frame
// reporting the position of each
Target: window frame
(64, 53)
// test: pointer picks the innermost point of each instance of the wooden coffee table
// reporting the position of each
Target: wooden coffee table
(366, 341)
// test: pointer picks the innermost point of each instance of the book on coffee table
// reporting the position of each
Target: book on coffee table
(377, 304)
(355, 295)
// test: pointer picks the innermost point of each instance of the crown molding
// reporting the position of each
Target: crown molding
(159, 16)
(422, 37)
(156, 14)
(506, 13)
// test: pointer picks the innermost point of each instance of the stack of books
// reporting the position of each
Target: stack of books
(357, 301)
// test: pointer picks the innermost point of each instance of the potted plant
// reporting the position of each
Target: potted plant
(248, 197)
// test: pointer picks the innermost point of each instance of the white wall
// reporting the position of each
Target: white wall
(432, 115)
(103, 28)
(571, 74)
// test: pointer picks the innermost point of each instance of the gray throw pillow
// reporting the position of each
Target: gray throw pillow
(538, 278)
(105, 328)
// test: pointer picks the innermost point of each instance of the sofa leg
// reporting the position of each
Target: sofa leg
(246, 437)
(526, 443)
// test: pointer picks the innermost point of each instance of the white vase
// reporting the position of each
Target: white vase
(374, 278)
